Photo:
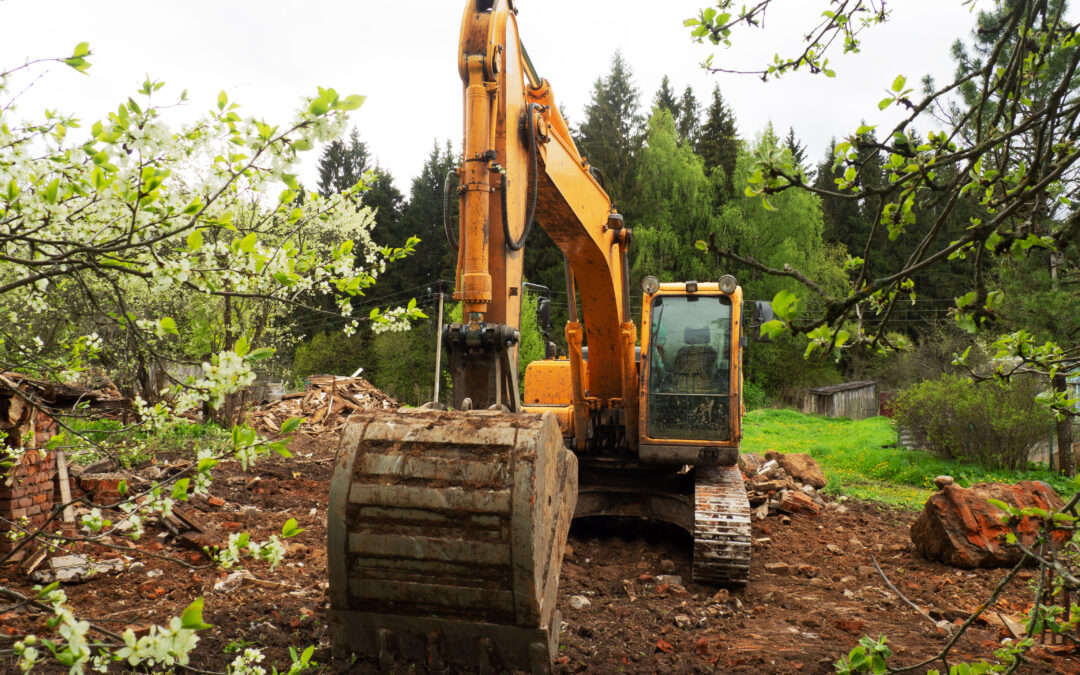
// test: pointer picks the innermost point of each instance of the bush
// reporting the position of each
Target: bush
(779, 369)
(991, 423)
(754, 396)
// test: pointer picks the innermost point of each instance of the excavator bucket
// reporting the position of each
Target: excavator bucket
(445, 538)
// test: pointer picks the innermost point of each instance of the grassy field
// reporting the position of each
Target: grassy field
(860, 458)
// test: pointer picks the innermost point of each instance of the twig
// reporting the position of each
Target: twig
(898, 593)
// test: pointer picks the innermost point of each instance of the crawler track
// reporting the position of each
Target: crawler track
(721, 527)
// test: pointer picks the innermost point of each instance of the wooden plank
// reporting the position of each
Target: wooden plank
(65, 485)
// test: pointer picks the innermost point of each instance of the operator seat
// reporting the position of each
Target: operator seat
(694, 369)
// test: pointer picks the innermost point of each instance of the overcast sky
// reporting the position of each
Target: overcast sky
(403, 57)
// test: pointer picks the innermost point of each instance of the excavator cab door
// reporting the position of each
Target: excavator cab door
(690, 381)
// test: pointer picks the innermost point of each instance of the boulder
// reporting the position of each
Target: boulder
(959, 527)
(801, 467)
(749, 463)
(796, 502)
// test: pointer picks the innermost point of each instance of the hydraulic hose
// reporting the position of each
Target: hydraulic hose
(448, 226)
(531, 211)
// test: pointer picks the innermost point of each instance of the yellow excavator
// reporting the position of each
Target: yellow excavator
(446, 528)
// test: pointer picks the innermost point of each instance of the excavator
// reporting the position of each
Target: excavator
(447, 526)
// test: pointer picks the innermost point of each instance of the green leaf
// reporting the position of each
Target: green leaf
(222, 100)
(291, 424)
(179, 490)
(289, 529)
(52, 190)
(701, 245)
(168, 325)
(195, 240)
(785, 304)
(261, 354)
(884, 103)
(12, 190)
(352, 102)
(318, 107)
(192, 619)
(55, 441)
(242, 346)
(279, 448)
(247, 244)
(771, 329)
(121, 487)
(898, 83)
(81, 49)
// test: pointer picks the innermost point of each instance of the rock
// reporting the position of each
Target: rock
(768, 466)
(579, 602)
(941, 481)
(807, 570)
(810, 491)
(866, 571)
(667, 566)
(720, 596)
(684, 622)
(801, 467)
(834, 549)
(848, 580)
(74, 568)
(767, 485)
(778, 568)
(230, 583)
(750, 463)
(785, 520)
(671, 579)
(959, 527)
(796, 502)
(761, 512)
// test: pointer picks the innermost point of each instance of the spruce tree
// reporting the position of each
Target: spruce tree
(423, 217)
(687, 122)
(718, 143)
(610, 136)
(342, 164)
(665, 98)
(797, 150)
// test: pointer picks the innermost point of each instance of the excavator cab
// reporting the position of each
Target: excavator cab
(691, 380)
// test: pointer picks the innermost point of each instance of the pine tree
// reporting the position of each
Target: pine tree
(610, 137)
(718, 143)
(687, 122)
(342, 164)
(665, 98)
(797, 150)
(423, 217)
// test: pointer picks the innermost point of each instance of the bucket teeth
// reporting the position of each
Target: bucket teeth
(721, 527)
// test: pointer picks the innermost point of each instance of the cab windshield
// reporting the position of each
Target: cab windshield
(690, 368)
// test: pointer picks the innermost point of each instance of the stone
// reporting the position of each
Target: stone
(778, 568)
(785, 520)
(941, 481)
(684, 622)
(834, 549)
(796, 502)
(750, 463)
(75, 568)
(807, 570)
(579, 602)
(799, 466)
(230, 583)
(720, 596)
(667, 566)
(866, 571)
(810, 491)
(767, 467)
(761, 512)
(959, 527)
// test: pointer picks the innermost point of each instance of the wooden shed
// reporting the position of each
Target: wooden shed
(856, 400)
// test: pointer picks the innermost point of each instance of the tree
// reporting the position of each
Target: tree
(798, 153)
(123, 217)
(718, 142)
(423, 216)
(665, 98)
(342, 164)
(687, 120)
(610, 136)
(1003, 154)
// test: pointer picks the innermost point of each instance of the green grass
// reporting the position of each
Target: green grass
(135, 445)
(860, 458)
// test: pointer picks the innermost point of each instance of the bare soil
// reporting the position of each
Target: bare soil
(813, 590)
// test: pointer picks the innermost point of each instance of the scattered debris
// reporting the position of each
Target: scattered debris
(325, 405)
(75, 568)
(579, 602)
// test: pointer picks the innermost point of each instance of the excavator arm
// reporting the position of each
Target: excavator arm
(519, 164)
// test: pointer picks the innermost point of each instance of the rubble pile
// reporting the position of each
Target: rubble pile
(325, 404)
(779, 484)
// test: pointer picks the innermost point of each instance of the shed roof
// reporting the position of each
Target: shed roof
(846, 386)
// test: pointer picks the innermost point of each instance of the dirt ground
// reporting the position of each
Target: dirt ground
(813, 590)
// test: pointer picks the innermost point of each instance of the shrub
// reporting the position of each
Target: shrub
(779, 369)
(754, 396)
(992, 423)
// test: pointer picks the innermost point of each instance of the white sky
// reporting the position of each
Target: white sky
(403, 56)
